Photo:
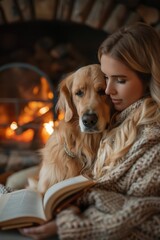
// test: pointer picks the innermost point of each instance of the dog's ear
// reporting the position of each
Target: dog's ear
(65, 98)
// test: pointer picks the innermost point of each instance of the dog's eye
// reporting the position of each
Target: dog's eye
(79, 93)
(101, 92)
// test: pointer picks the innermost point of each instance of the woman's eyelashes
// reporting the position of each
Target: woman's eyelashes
(121, 80)
(115, 79)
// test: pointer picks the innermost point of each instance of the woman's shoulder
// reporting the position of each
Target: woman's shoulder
(148, 137)
(151, 130)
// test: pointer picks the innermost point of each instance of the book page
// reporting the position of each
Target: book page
(62, 190)
(21, 203)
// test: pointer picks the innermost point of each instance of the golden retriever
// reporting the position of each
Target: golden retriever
(72, 148)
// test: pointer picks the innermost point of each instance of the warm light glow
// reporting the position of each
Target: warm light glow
(60, 116)
(34, 105)
(44, 110)
(9, 133)
(45, 88)
(49, 127)
(47, 130)
(35, 90)
(56, 123)
(13, 126)
(50, 95)
(26, 136)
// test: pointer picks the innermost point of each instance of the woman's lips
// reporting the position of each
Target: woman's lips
(116, 101)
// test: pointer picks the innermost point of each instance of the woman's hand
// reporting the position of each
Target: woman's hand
(40, 232)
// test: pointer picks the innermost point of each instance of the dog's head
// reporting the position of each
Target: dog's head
(82, 96)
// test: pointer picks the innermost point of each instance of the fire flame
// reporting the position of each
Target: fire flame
(35, 117)
(26, 136)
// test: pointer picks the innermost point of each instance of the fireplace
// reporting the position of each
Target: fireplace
(27, 114)
(26, 106)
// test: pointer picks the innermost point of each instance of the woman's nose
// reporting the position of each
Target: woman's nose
(110, 89)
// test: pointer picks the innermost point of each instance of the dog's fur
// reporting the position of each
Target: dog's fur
(73, 146)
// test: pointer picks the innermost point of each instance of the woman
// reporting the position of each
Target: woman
(125, 203)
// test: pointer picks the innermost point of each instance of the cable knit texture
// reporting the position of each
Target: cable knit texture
(126, 205)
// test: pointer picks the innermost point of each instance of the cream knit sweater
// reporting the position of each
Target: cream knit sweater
(126, 205)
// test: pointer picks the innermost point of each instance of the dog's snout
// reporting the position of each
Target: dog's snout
(89, 119)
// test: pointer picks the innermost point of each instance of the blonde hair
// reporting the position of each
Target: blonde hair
(137, 47)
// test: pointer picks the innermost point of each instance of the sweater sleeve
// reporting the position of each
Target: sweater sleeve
(111, 216)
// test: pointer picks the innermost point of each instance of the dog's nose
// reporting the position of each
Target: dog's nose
(89, 119)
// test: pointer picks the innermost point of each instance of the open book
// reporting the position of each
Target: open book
(27, 207)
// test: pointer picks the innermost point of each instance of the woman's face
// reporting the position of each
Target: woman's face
(123, 85)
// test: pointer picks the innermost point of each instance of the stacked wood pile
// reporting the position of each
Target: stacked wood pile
(108, 15)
